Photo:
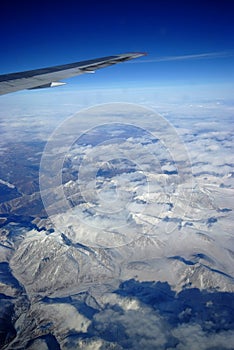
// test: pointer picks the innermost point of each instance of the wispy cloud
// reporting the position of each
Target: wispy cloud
(199, 56)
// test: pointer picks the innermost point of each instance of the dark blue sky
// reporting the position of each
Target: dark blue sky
(42, 33)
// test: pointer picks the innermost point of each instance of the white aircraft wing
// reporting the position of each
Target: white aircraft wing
(51, 76)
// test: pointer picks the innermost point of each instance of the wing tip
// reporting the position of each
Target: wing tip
(136, 54)
(130, 55)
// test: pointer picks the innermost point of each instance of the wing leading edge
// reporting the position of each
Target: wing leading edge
(51, 76)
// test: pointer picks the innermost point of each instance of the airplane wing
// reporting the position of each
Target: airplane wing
(51, 76)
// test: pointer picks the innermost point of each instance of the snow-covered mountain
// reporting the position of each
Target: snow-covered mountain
(131, 246)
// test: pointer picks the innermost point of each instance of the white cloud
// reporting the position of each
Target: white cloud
(192, 337)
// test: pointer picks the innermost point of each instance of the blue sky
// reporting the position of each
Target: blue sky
(43, 33)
